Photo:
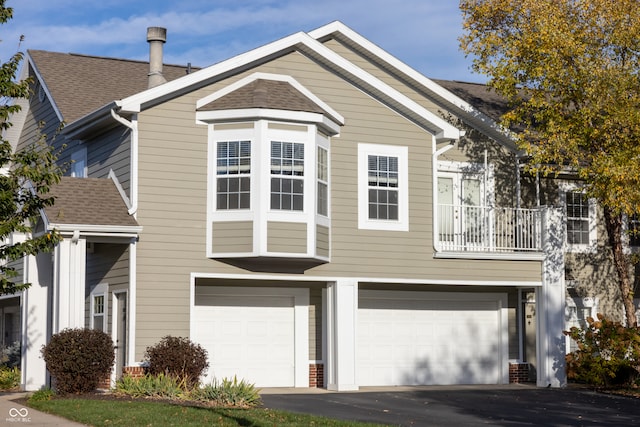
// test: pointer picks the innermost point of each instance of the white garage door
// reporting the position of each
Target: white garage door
(411, 338)
(247, 333)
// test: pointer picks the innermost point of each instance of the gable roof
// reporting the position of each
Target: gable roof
(263, 93)
(467, 101)
(79, 84)
(89, 204)
(87, 87)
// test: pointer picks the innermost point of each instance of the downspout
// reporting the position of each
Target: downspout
(133, 210)
(133, 186)
(434, 169)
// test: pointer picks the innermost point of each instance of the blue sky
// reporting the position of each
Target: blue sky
(422, 33)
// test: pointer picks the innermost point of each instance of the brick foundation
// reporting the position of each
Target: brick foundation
(316, 375)
(105, 383)
(518, 372)
(134, 371)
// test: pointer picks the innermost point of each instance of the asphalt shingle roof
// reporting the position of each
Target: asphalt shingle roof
(88, 201)
(479, 96)
(80, 84)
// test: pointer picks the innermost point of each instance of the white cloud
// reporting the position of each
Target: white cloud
(420, 32)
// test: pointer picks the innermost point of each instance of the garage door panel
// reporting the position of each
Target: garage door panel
(249, 337)
(411, 340)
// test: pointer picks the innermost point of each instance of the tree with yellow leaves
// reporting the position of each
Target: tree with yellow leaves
(571, 71)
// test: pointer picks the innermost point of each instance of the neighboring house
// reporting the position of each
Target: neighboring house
(304, 211)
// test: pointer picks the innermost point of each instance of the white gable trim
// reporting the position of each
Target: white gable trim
(311, 47)
(353, 38)
(45, 88)
(275, 77)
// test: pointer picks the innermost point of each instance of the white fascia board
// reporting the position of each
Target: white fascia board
(92, 229)
(134, 103)
(313, 48)
(274, 77)
(45, 88)
(431, 86)
(205, 117)
(319, 51)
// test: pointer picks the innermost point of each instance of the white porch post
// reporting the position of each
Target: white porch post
(342, 307)
(69, 283)
(550, 300)
(35, 314)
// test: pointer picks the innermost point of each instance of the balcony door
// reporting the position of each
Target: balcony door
(461, 210)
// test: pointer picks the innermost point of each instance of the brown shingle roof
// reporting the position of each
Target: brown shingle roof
(88, 201)
(264, 93)
(80, 84)
(479, 96)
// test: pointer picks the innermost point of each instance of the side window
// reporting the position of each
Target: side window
(287, 176)
(98, 311)
(79, 163)
(383, 199)
(323, 182)
(580, 215)
(577, 211)
(233, 175)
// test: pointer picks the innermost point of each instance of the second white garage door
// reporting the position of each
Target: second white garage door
(251, 333)
(411, 338)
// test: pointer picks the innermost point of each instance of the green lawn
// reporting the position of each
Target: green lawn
(140, 413)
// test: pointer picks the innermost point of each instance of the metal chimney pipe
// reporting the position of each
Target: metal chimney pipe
(156, 36)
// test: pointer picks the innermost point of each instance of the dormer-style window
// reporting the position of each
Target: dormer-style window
(269, 152)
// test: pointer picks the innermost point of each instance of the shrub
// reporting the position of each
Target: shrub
(78, 359)
(608, 353)
(9, 378)
(229, 393)
(42, 395)
(178, 357)
(10, 355)
(161, 385)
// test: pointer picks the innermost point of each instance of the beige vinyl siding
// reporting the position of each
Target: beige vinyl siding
(289, 237)
(108, 263)
(232, 236)
(322, 241)
(381, 74)
(173, 194)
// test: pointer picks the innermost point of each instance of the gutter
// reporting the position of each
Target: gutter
(133, 186)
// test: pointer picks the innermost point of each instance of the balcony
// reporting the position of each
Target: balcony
(488, 230)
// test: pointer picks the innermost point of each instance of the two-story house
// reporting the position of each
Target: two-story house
(313, 212)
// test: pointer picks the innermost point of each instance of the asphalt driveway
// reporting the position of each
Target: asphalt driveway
(513, 405)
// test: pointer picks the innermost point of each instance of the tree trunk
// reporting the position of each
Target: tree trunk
(613, 222)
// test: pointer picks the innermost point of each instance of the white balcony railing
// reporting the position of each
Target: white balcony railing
(488, 229)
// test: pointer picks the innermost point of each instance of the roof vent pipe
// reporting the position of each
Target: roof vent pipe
(156, 36)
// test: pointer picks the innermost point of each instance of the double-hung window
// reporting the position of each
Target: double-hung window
(233, 175)
(98, 308)
(383, 187)
(383, 200)
(287, 176)
(323, 181)
(577, 209)
(580, 215)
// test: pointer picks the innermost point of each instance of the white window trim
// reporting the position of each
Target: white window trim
(567, 187)
(101, 289)
(402, 153)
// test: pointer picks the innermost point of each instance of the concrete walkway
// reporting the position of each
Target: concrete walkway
(15, 414)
